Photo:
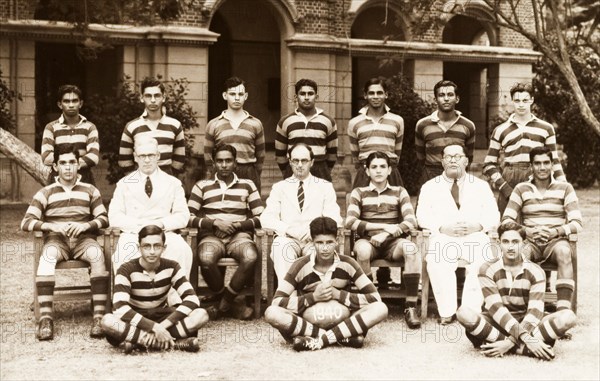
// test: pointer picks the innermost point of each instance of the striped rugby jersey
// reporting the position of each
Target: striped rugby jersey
(517, 305)
(168, 133)
(248, 140)
(213, 199)
(557, 208)
(57, 203)
(367, 135)
(391, 206)
(431, 138)
(516, 141)
(303, 278)
(84, 136)
(319, 132)
(135, 291)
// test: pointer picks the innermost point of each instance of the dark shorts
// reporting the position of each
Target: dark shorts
(387, 248)
(541, 253)
(232, 246)
(72, 248)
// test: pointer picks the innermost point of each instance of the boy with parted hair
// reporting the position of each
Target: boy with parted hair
(513, 320)
(72, 128)
(69, 212)
(156, 124)
(236, 127)
(141, 317)
(316, 305)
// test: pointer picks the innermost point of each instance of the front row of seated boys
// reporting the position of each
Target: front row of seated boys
(325, 297)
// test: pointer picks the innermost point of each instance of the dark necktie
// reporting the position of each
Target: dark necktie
(301, 195)
(454, 191)
(148, 186)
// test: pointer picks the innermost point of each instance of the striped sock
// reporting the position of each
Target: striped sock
(412, 288)
(351, 327)
(564, 293)
(301, 327)
(100, 286)
(45, 290)
(482, 331)
(548, 331)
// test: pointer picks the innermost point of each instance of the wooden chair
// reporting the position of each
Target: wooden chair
(255, 291)
(264, 241)
(73, 292)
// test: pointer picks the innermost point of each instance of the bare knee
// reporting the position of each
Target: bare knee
(94, 256)
(466, 316)
(379, 309)
(566, 319)
(363, 251)
(199, 317)
(248, 254)
(209, 253)
(562, 255)
(273, 314)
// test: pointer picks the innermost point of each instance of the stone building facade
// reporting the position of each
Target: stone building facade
(271, 44)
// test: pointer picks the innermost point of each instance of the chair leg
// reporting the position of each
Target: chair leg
(258, 285)
(424, 292)
(270, 280)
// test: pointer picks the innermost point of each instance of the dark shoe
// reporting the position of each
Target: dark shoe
(412, 318)
(306, 343)
(353, 342)
(213, 313)
(550, 307)
(447, 320)
(241, 311)
(45, 329)
(127, 347)
(566, 336)
(96, 331)
(191, 344)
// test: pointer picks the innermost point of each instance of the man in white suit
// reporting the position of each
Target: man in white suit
(149, 196)
(293, 203)
(459, 209)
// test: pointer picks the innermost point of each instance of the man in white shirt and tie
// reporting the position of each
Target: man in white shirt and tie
(459, 209)
(292, 204)
(149, 196)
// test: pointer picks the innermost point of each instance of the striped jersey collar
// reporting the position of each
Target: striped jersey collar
(364, 110)
(336, 260)
(530, 180)
(434, 116)
(163, 112)
(56, 180)
(511, 119)
(61, 119)
(218, 180)
(224, 115)
(319, 111)
(372, 187)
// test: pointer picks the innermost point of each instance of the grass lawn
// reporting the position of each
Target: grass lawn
(252, 350)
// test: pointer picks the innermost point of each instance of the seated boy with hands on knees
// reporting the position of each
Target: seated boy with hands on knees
(314, 305)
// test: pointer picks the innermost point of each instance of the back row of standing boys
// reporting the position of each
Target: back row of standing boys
(324, 297)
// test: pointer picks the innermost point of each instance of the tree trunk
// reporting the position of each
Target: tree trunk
(24, 156)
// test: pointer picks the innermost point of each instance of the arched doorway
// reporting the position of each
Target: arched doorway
(248, 47)
(373, 23)
(472, 78)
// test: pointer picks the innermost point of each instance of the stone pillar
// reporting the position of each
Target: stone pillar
(425, 74)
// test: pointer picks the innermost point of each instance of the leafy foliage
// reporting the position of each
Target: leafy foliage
(556, 103)
(404, 101)
(111, 113)
(7, 96)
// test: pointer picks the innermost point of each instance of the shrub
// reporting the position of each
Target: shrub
(111, 113)
(556, 104)
(404, 101)
(7, 96)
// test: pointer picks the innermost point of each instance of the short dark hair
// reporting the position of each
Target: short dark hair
(377, 155)
(63, 149)
(323, 225)
(310, 151)
(225, 147)
(66, 89)
(376, 81)
(151, 230)
(542, 150)
(511, 225)
(233, 82)
(151, 82)
(444, 83)
(461, 145)
(521, 87)
(305, 82)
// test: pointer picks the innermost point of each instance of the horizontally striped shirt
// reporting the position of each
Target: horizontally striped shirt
(135, 291)
(507, 299)
(367, 135)
(168, 133)
(557, 207)
(431, 137)
(516, 140)
(304, 278)
(319, 132)
(213, 199)
(84, 136)
(248, 140)
(390, 206)
(56, 203)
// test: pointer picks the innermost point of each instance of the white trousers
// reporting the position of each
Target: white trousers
(285, 251)
(444, 254)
